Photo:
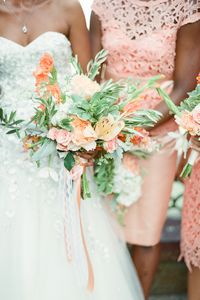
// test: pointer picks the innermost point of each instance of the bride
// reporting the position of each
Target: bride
(33, 262)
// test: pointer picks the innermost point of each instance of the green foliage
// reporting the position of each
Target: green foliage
(143, 118)
(104, 172)
(43, 117)
(94, 66)
(75, 63)
(10, 122)
(69, 161)
(66, 124)
(192, 101)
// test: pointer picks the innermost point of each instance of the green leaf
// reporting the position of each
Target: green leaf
(69, 161)
(48, 148)
(174, 109)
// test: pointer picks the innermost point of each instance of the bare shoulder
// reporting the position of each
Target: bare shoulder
(72, 9)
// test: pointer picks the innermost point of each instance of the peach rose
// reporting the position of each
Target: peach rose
(84, 86)
(111, 145)
(196, 114)
(46, 63)
(83, 132)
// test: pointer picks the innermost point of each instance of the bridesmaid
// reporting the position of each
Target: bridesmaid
(146, 38)
(190, 242)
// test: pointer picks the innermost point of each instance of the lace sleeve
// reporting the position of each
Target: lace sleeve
(191, 11)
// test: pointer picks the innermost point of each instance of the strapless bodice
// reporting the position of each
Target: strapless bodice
(17, 64)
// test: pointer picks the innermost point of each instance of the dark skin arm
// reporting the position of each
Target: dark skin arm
(187, 66)
(95, 34)
(79, 36)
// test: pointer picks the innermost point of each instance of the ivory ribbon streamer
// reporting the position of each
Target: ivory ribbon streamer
(68, 227)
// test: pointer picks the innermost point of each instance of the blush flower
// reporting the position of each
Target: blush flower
(84, 86)
(63, 137)
(196, 114)
(52, 134)
(111, 145)
(187, 122)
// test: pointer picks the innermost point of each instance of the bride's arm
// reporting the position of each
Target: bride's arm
(79, 35)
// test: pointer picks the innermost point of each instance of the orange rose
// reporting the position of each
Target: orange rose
(137, 139)
(40, 77)
(46, 63)
(55, 91)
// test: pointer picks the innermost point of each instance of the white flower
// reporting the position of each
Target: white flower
(128, 185)
(63, 110)
(84, 86)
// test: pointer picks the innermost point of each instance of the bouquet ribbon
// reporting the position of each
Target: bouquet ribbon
(73, 227)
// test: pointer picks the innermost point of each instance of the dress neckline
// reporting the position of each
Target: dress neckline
(36, 39)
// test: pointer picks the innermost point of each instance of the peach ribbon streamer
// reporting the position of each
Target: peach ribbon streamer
(90, 281)
(90, 285)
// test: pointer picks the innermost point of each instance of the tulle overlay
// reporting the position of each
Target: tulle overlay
(33, 260)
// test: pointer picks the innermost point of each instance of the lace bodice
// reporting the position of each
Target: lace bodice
(141, 35)
(17, 64)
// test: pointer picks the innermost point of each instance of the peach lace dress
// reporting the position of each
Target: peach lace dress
(190, 241)
(140, 36)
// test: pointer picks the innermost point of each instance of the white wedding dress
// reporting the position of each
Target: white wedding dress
(33, 263)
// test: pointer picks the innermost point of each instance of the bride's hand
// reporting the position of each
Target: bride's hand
(89, 156)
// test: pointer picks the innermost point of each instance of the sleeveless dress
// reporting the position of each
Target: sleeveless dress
(33, 263)
(141, 39)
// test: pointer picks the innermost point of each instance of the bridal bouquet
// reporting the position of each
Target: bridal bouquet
(187, 116)
(84, 119)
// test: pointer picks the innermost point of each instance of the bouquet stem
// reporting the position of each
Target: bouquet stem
(187, 170)
(85, 186)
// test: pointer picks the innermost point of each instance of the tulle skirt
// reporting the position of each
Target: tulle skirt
(33, 260)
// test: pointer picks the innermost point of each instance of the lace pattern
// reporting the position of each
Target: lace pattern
(139, 18)
(190, 245)
(141, 36)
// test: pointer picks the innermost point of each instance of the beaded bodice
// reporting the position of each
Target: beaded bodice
(17, 64)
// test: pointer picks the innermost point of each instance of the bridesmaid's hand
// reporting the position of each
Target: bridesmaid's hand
(195, 143)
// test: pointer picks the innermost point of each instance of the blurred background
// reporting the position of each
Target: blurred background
(170, 283)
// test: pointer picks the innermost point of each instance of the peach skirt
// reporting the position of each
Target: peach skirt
(145, 218)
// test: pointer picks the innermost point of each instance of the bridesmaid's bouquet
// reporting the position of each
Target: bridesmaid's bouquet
(86, 122)
(187, 116)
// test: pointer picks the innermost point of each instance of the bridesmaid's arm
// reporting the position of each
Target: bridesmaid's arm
(79, 35)
(95, 34)
(187, 66)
